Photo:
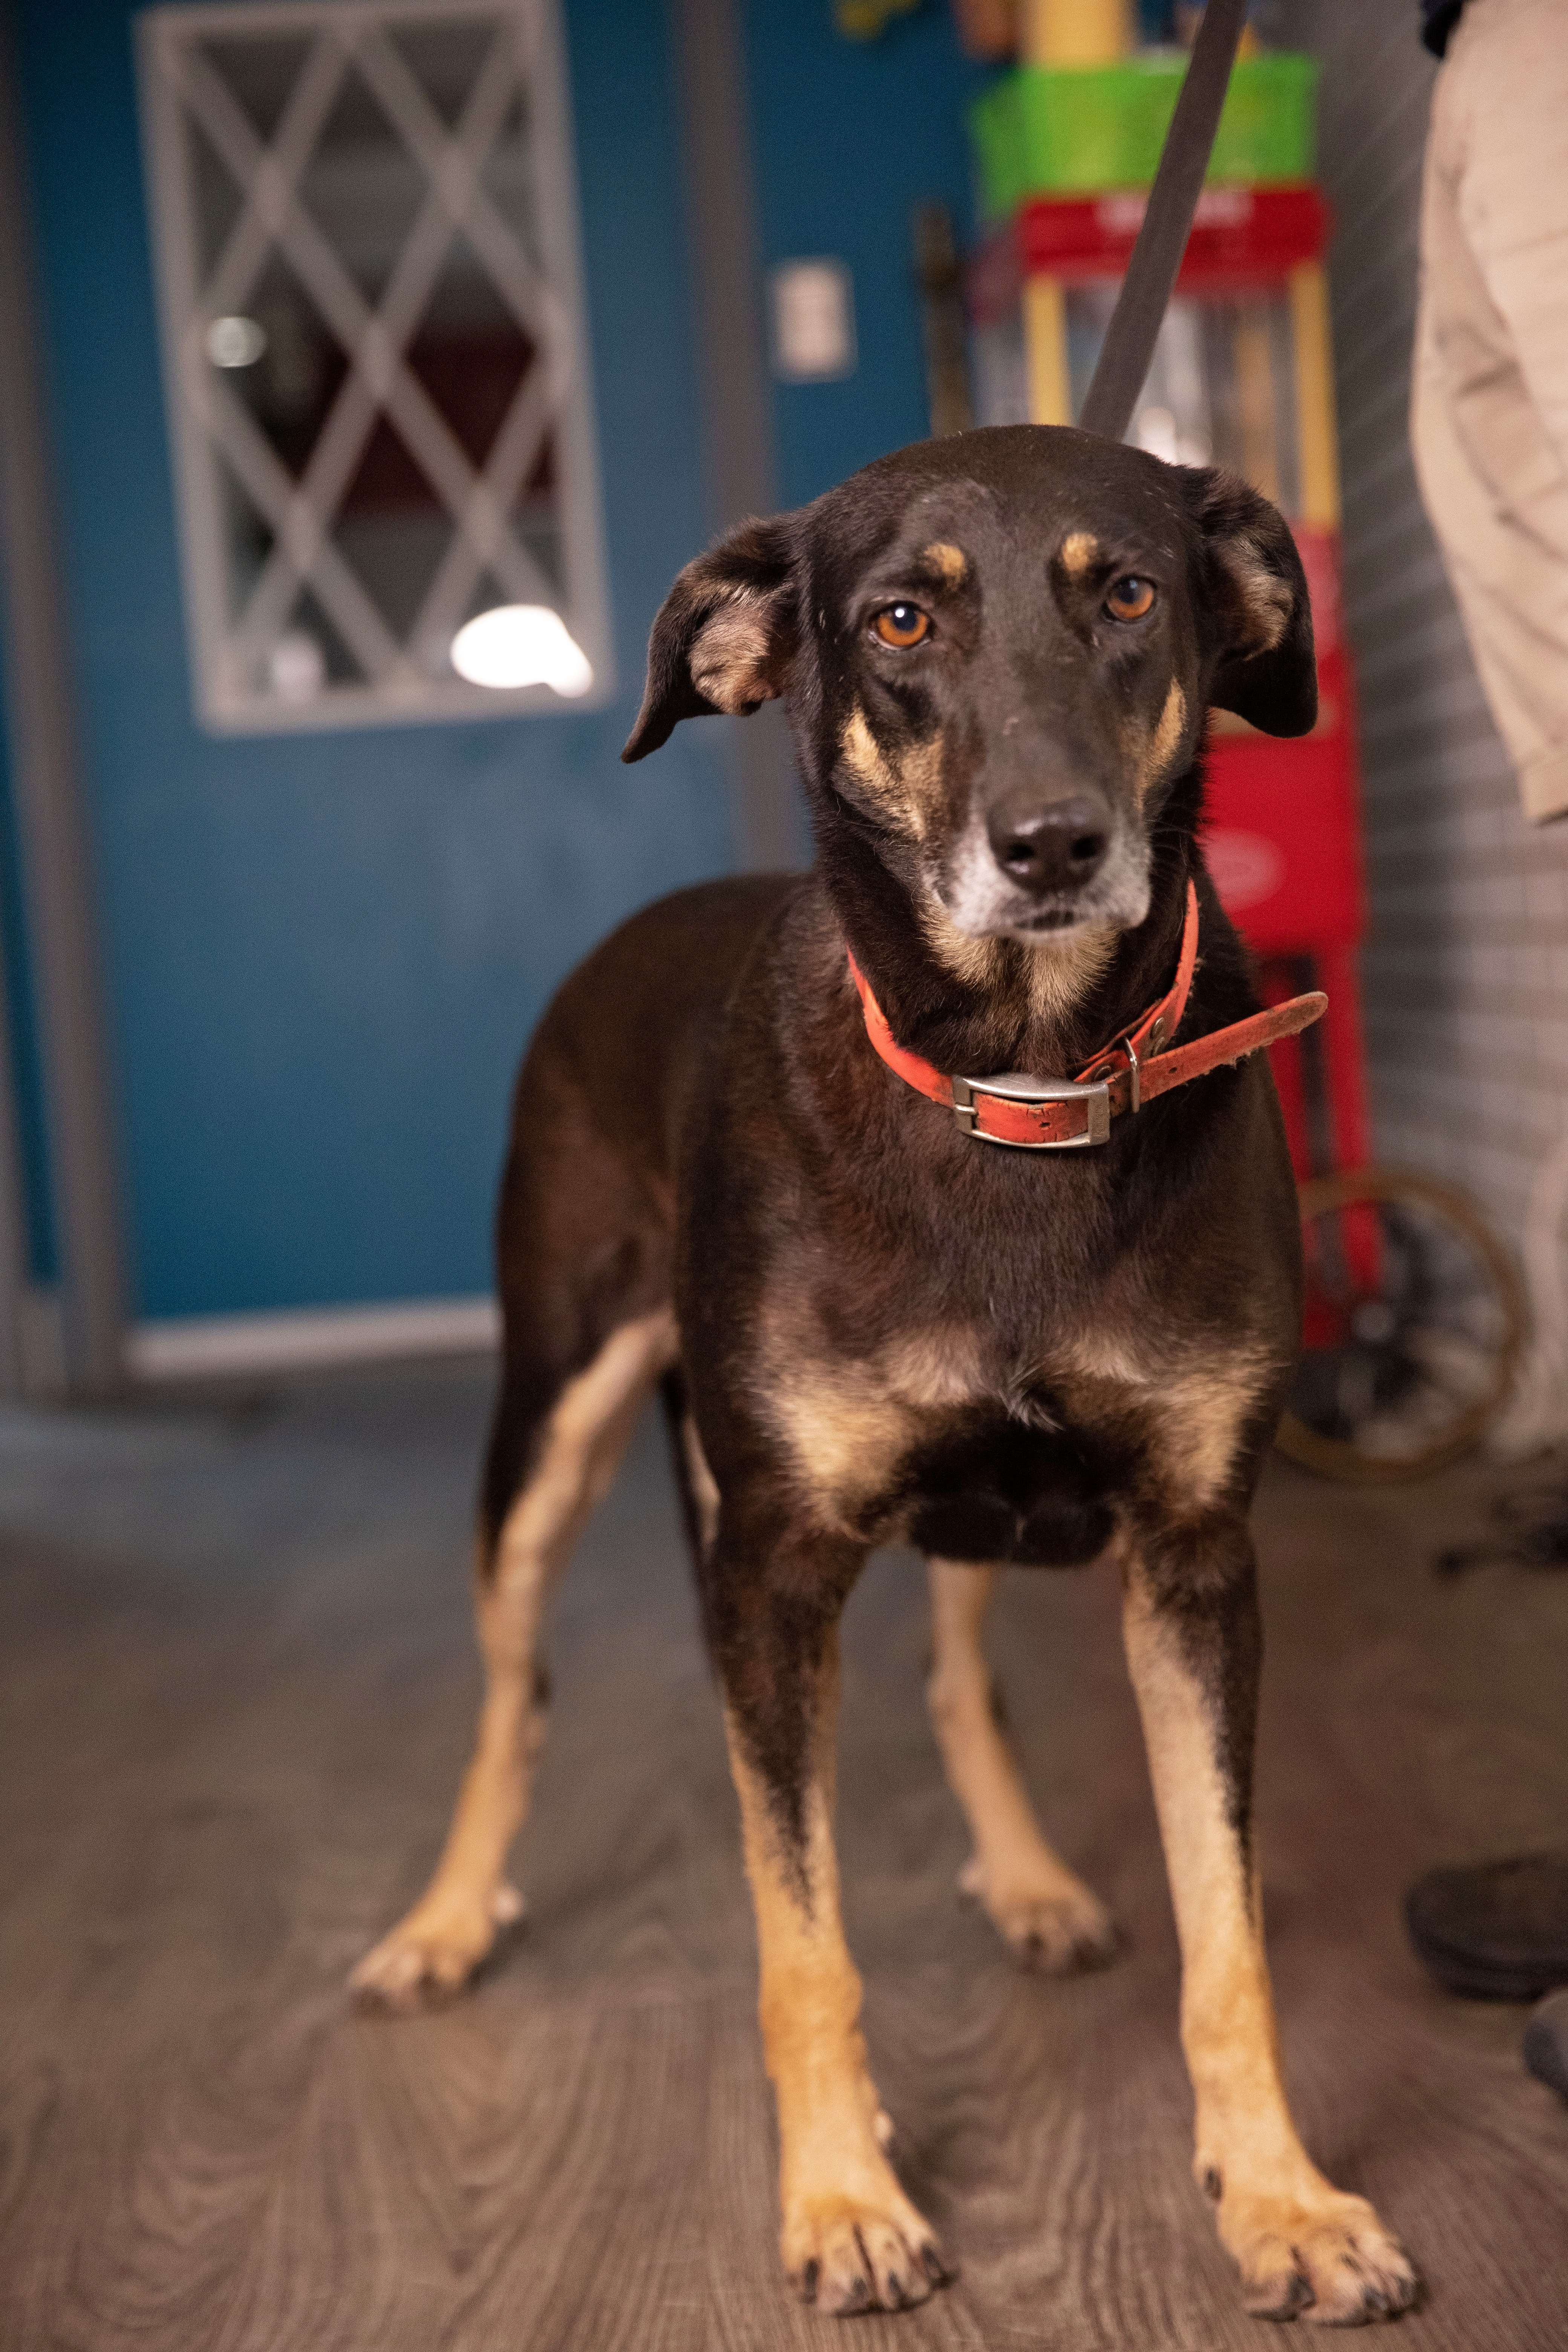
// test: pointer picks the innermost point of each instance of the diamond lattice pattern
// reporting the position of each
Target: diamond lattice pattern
(369, 346)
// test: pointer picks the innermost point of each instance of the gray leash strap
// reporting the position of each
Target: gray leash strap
(1129, 339)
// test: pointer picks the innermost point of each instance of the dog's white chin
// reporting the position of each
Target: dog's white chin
(1052, 934)
(1061, 937)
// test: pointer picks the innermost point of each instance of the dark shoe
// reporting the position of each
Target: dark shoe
(1546, 2044)
(1496, 1931)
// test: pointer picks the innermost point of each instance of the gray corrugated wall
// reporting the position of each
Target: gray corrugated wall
(1465, 973)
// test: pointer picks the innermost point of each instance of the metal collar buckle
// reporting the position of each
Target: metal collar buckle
(1014, 1086)
(1134, 1069)
(1107, 1069)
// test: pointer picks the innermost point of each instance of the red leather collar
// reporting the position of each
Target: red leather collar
(1056, 1114)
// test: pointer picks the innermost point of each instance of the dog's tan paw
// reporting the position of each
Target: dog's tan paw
(865, 2252)
(1328, 2260)
(1059, 1929)
(430, 1956)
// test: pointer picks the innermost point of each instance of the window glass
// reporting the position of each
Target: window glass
(367, 238)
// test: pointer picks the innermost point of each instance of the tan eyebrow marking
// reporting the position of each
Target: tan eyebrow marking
(1080, 549)
(943, 557)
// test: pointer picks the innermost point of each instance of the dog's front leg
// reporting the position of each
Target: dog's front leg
(1194, 1646)
(851, 2240)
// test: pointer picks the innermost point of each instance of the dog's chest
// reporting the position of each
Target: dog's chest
(1009, 1464)
(994, 1487)
(977, 1444)
(971, 1446)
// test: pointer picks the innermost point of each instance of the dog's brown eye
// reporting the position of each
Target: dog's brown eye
(902, 624)
(1130, 598)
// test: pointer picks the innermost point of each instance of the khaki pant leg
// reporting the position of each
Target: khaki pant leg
(1490, 387)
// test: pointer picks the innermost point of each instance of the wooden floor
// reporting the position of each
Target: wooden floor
(239, 1687)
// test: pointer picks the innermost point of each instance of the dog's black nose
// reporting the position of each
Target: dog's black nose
(1056, 847)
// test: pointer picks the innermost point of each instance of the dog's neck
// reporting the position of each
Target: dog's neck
(977, 1006)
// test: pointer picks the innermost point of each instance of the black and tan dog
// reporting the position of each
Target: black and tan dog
(998, 652)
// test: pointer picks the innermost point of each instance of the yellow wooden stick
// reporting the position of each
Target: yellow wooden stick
(1046, 351)
(1315, 397)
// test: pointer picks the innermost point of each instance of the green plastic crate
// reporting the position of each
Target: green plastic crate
(1056, 131)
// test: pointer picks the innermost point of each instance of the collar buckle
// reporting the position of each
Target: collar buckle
(1134, 1072)
(1015, 1086)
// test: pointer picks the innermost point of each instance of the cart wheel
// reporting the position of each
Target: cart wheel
(1414, 1319)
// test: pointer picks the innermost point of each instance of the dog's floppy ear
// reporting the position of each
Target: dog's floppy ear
(724, 636)
(1266, 672)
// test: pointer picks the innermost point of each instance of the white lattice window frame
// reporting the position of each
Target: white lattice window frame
(205, 418)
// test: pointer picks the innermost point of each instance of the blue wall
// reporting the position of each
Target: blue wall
(323, 953)
(849, 136)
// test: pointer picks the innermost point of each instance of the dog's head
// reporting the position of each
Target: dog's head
(998, 652)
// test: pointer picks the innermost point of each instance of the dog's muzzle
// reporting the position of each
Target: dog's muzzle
(1036, 897)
